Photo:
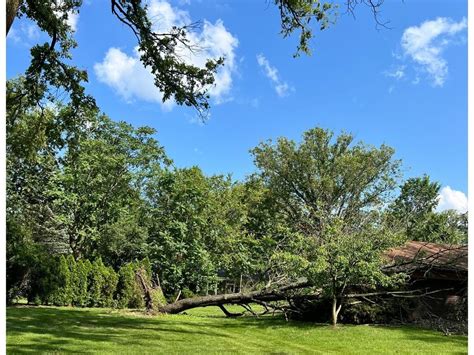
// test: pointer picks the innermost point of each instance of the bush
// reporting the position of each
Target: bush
(72, 266)
(109, 285)
(187, 293)
(145, 264)
(129, 293)
(36, 301)
(64, 281)
(157, 296)
(81, 294)
(62, 292)
(102, 282)
(95, 282)
(129, 290)
(42, 279)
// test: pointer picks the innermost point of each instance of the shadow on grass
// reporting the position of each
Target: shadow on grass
(44, 329)
(430, 336)
(57, 328)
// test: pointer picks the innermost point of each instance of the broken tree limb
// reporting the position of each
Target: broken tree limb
(406, 294)
(249, 309)
(178, 296)
(229, 314)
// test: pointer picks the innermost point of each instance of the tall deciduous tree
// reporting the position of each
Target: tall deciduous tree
(331, 192)
(99, 184)
(195, 229)
(447, 227)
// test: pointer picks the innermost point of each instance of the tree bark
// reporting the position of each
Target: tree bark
(335, 310)
(232, 298)
(12, 10)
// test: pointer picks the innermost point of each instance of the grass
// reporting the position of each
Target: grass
(206, 331)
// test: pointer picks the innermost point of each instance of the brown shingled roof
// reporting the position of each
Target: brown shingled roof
(422, 254)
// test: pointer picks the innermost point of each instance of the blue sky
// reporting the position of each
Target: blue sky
(405, 86)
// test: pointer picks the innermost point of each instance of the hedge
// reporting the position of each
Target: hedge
(64, 281)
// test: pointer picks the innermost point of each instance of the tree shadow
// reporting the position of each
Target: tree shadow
(53, 330)
(427, 335)
(58, 328)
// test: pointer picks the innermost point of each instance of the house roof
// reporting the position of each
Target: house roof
(422, 255)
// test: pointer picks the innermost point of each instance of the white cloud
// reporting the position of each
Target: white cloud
(416, 81)
(196, 119)
(271, 72)
(164, 16)
(450, 199)
(397, 73)
(31, 31)
(72, 19)
(218, 42)
(213, 40)
(128, 77)
(255, 102)
(424, 44)
(282, 88)
(25, 33)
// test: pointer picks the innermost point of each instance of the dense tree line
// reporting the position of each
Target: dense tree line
(87, 197)
(64, 281)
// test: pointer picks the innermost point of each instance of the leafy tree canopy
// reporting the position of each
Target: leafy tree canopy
(331, 192)
(415, 210)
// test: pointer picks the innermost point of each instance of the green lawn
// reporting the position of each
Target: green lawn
(204, 331)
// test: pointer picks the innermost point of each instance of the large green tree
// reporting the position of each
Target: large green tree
(36, 141)
(418, 198)
(196, 229)
(74, 185)
(98, 187)
(331, 192)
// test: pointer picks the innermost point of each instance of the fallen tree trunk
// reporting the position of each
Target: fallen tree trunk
(265, 295)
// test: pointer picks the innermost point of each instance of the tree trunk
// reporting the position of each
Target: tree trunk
(335, 311)
(12, 10)
(232, 298)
